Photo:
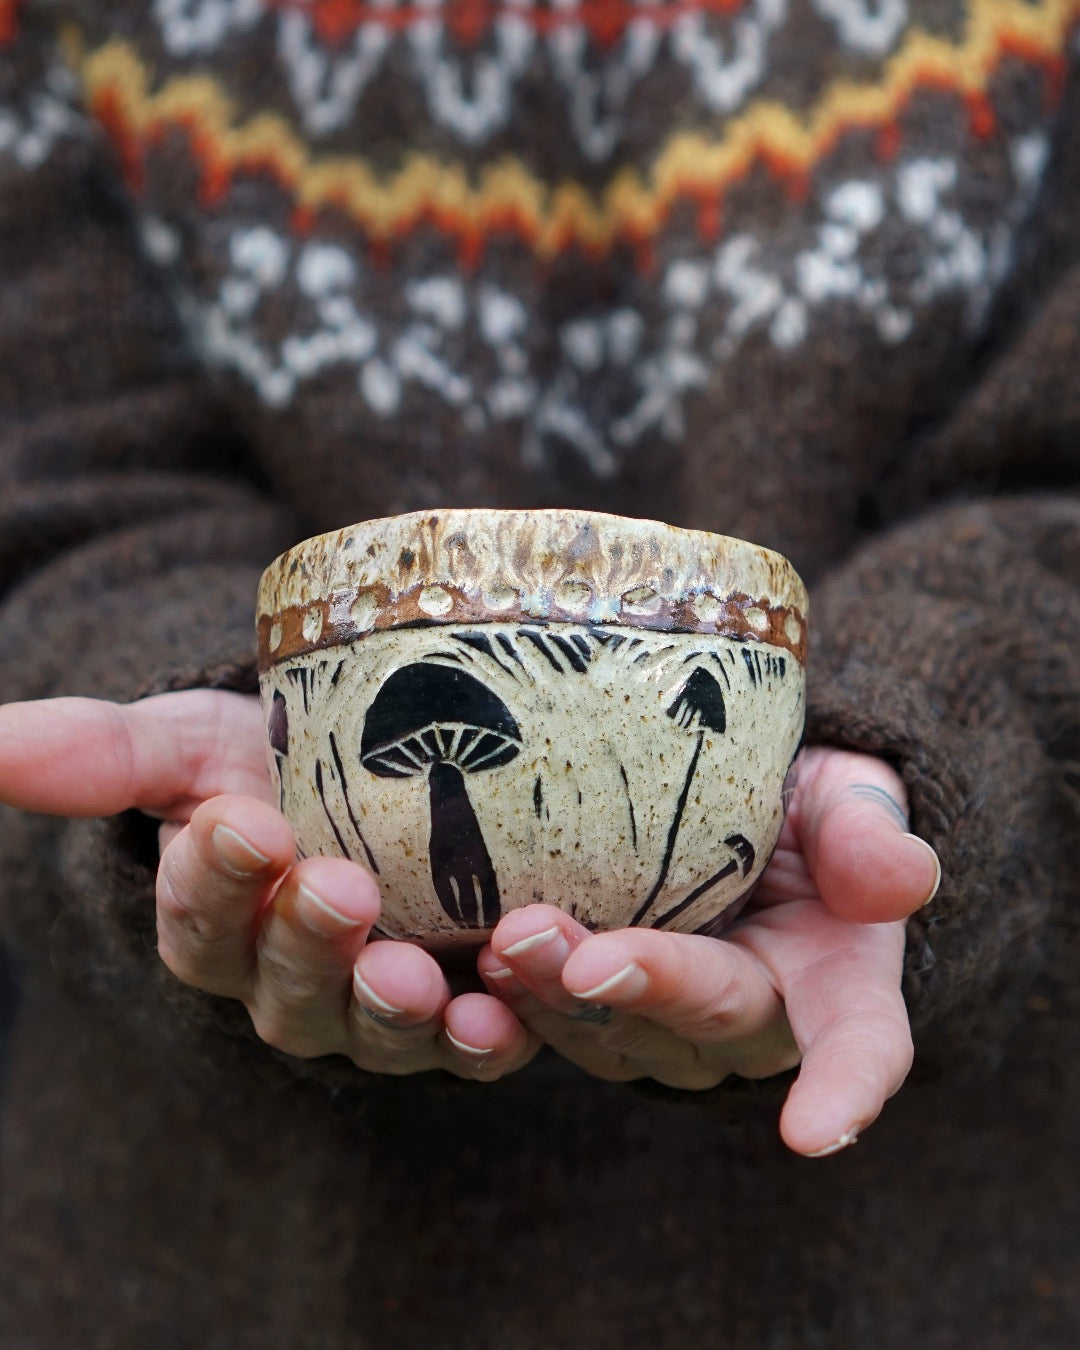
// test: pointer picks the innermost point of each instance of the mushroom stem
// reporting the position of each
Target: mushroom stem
(461, 866)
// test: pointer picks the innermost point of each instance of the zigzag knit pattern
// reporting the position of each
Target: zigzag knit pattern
(733, 172)
(505, 196)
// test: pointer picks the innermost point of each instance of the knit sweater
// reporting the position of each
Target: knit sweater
(802, 271)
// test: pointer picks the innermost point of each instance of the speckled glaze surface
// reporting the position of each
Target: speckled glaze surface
(490, 708)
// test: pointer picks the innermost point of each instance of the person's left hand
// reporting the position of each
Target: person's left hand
(809, 974)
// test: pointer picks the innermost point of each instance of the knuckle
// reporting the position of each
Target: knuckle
(875, 1038)
(185, 923)
(727, 1000)
(883, 1028)
(119, 752)
(842, 966)
(625, 1036)
(724, 1005)
(211, 971)
(293, 985)
(179, 962)
(702, 995)
(276, 1030)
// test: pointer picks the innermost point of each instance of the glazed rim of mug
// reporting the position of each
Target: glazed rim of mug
(552, 566)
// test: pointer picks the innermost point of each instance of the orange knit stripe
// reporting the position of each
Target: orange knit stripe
(505, 197)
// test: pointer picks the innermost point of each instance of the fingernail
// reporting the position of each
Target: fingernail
(475, 1052)
(937, 864)
(235, 854)
(548, 938)
(313, 910)
(630, 982)
(371, 1001)
(845, 1141)
(503, 973)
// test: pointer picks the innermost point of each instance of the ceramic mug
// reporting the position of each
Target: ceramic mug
(491, 708)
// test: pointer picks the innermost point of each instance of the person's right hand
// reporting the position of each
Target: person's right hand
(237, 915)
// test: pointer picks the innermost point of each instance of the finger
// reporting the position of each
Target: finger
(213, 882)
(534, 942)
(618, 1038)
(484, 1039)
(849, 1019)
(86, 757)
(504, 984)
(396, 1018)
(579, 1032)
(699, 989)
(395, 1010)
(851, 822)
(402, 1020)
(307, 943)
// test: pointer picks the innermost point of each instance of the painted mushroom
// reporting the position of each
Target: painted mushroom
(699, 705)
(430, 718)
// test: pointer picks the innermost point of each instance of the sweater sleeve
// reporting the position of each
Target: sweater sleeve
(950, 648)
(132, 535)
(950, 645)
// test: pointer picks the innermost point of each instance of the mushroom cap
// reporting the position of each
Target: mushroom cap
(429, 713)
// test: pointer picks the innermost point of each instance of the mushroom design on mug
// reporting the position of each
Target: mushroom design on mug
(429, 718)
(699, 706)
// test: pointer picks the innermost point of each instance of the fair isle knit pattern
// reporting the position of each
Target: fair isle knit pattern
(331, 52)
(878, 179)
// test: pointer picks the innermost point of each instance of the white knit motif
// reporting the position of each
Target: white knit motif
(727, 69)
(597, 97)
(868, 26)
(196, 27)
(472, 96)
(620, 376)
(470, 90)
(327, 85)
(46, 115)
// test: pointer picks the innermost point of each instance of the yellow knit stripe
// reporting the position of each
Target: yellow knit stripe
(506, 195)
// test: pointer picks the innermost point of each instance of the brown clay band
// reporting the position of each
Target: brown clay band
(353, 613)
(460, 566)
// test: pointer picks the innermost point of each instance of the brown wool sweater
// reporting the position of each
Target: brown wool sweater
(804, 271)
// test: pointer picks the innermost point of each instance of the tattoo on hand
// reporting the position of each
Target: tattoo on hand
(879, 795)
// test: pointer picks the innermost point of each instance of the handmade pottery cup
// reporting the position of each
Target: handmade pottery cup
(491, 708)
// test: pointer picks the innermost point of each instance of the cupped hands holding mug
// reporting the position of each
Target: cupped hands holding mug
(809, 974)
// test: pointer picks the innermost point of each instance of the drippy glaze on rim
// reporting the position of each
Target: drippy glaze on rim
(486, 566)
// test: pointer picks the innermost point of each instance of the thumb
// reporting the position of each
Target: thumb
(852, 826)
(86, 757)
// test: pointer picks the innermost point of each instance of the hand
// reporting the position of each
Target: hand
(810, 974)
(237, 915)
